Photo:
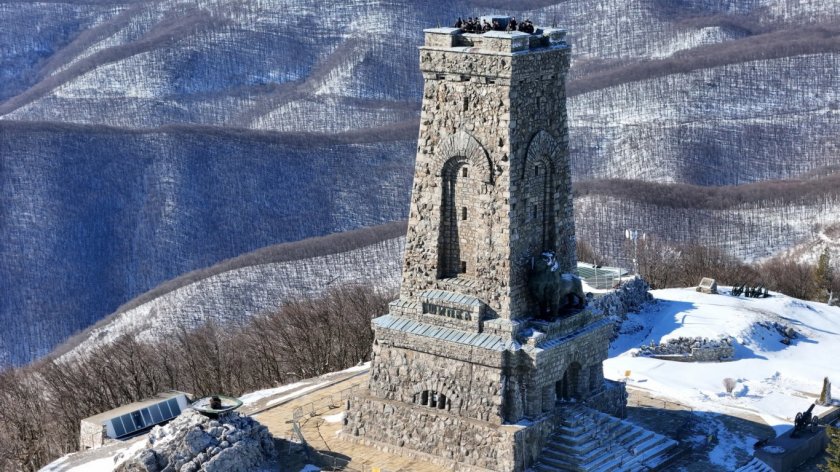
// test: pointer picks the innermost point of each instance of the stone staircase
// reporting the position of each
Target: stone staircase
(755, 465)
(588, 440)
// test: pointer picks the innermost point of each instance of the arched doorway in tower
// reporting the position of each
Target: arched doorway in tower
(458, 219)
(568, 387)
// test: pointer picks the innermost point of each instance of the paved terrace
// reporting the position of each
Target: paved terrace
(320, 416)
(319, 404)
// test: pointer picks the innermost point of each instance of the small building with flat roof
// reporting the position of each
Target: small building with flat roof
(129, 420)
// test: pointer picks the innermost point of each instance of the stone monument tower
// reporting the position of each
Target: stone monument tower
(463, 371)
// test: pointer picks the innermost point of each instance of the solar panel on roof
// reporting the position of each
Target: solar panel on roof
(156, 416)
(174, 407)
(137, 418)
(119, 430)
(128, 423)
(147, 417)
(164, 410)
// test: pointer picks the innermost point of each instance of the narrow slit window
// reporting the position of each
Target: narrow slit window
(536, 171)
(535, 212)
(463, 267)
(463, 213)
(464, 172)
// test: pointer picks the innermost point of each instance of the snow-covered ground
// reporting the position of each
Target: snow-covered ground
(774, 380)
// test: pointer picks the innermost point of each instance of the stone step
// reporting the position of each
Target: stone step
(604, 428)
(584, 443)
(591, 441)
(639, 447)
(755, 465)
(557, 464)
(541, 467)
(585, 461)
(630, 435)
(653, 456)
(618, 464)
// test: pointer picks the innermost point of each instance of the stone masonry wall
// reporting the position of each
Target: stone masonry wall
(91, 435)
(491, 191)
(540, 167)
(433, 432)
(472, 387)
(580, 359)
(479, 108)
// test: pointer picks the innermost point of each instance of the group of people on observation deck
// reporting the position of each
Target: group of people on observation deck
(477, 25)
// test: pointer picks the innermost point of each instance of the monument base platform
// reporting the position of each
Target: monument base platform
(456, 442)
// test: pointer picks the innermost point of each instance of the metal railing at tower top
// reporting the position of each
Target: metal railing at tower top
(600, 277)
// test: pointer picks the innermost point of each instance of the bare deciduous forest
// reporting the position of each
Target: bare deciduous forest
(668, 265)
(41, 405)
(715, 198)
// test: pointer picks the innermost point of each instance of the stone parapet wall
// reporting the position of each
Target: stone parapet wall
(690, 350)
(612, 399)
(388, 338)
(506, 42)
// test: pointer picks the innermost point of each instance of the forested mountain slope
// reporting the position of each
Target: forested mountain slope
(255, 283)
(751, 221)
(140, 140)
(93, 216)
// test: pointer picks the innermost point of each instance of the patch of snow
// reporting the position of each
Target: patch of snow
(54, 465)
(254, 397)
(121, 457)
(723, 453)
(336, 418)
(775, 381)
(359, 368)
(105, 464)
(294, 395)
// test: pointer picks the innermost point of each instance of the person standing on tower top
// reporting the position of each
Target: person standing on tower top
(512, 25)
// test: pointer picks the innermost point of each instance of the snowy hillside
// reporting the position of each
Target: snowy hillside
(256, 286)
(712, 126)
(749, 230)
(774, 380)
(94, 217)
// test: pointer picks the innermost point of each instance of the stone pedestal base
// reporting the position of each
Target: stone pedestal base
(456, 443)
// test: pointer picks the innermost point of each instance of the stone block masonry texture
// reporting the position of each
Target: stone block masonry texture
(461, 372)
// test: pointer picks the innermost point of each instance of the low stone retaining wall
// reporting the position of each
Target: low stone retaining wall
(690, 350)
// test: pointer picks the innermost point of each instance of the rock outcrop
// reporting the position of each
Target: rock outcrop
(193, 442)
